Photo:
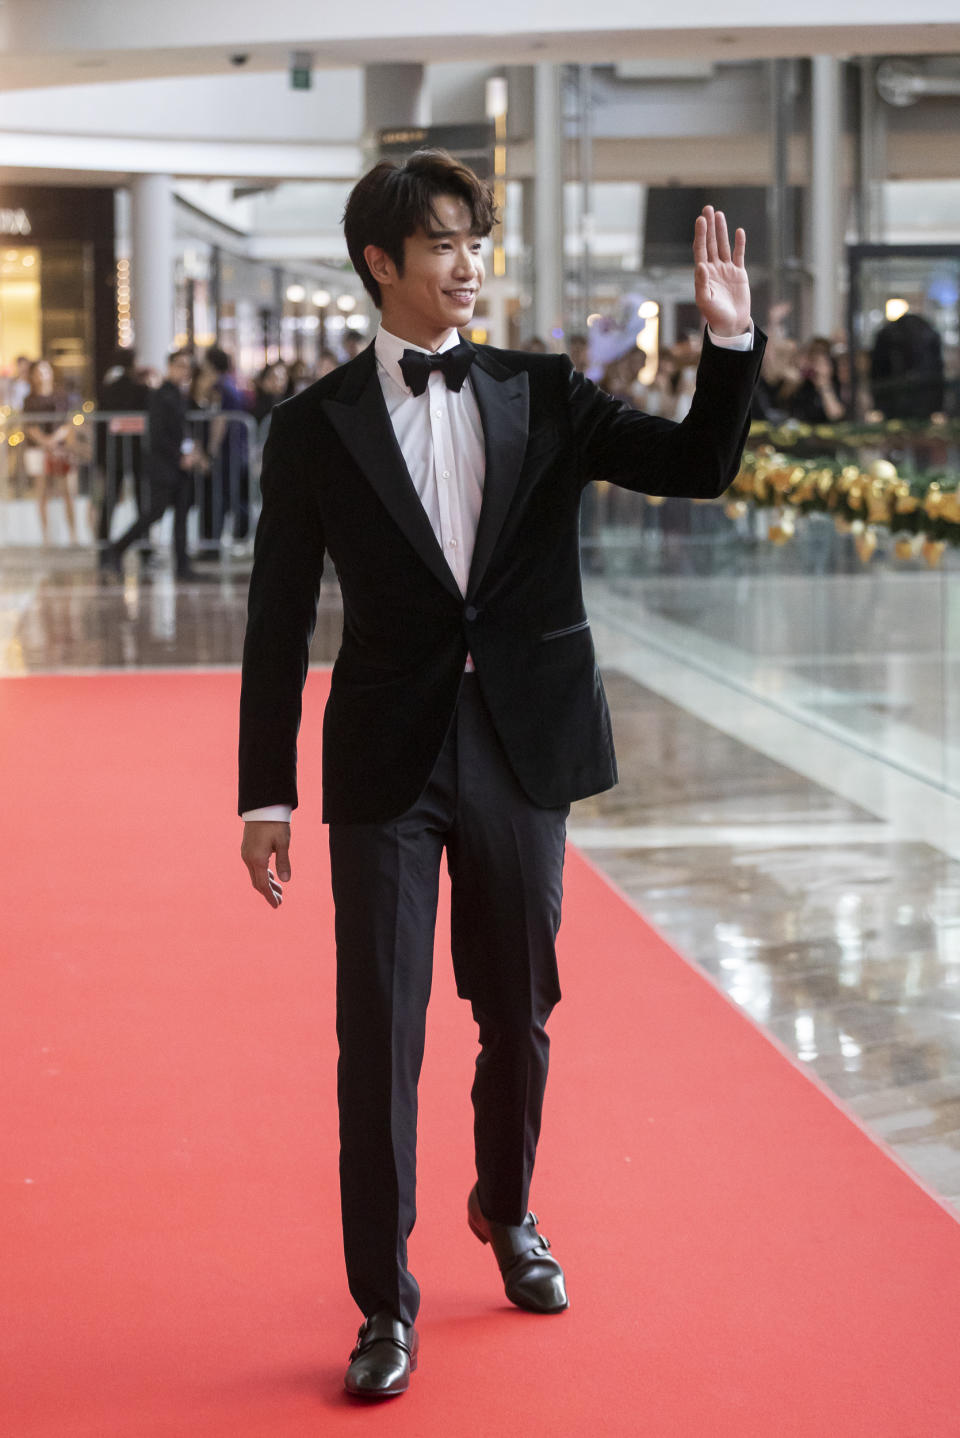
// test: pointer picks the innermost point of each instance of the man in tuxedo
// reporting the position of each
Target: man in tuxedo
(466, 711)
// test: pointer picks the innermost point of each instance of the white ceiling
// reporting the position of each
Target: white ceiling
(70, 42)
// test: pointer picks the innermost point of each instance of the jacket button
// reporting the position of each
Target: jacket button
(470, 613)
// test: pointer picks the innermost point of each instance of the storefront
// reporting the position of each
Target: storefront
(58, 281)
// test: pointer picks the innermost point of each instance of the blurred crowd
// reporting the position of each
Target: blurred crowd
(226, 414)
(902, 376)
(54, 450)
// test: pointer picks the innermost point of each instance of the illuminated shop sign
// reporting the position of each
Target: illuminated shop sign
(14, 222)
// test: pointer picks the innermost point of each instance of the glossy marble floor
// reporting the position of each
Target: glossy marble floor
(817, 885)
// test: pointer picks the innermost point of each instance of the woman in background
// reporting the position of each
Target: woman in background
(48, 460)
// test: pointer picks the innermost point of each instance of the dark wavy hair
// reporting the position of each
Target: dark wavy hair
(396, 198)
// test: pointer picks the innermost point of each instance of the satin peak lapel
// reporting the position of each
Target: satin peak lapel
(503, 399)
(363, 424)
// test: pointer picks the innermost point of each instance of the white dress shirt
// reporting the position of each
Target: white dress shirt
(441, 440)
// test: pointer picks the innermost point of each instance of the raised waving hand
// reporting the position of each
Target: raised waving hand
(722, 289)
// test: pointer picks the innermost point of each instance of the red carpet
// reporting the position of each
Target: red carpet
(742, 1259)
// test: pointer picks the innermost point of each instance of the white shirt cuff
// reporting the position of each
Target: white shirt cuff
(276, 813)
(742, 342)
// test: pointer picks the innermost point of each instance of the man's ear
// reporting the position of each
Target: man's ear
(380, 265)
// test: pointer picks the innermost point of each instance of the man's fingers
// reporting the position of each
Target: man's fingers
(723, 239)
(261, 840)
(739, 246)
(710, 221)
(264, 882)
(270, 890)
(700, 241)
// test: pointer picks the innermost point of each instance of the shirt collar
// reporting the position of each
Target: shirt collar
(389, 351)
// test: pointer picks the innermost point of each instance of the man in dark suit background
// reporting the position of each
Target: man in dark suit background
(120, 446)
(171, 460)
(466, 711)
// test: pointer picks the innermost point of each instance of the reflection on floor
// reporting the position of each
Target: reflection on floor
(826, 919)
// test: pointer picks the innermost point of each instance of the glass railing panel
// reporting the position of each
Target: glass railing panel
(826, 582)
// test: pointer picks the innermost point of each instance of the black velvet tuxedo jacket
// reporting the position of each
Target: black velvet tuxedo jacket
(334, 481)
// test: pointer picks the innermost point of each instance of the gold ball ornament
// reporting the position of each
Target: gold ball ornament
(735, 508)
(906, 503)
(933, 552)
(933, 500)
(950, 507)
(866, 545)
(782, 531)
(878, 503)
(884, 470)
(903, 549)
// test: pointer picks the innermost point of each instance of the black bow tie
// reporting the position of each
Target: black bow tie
(455, 364)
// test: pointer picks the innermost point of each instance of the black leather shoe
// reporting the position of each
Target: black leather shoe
(532, 1278)
(384, 1358)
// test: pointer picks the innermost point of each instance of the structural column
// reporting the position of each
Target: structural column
(548, 201)
(151, 226)
(872, 146)
(825, 178)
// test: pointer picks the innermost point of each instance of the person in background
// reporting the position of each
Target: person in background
(119, 450)
(229, 454)
(907, 370)
(48, 460)
(352, 344)
(579, 352)
(270, 386)
(172, 457)
(202, 403)
(326, 362)
(661, 397)
(620, 376)
(816, 400)
(299, 376)
(19, 386)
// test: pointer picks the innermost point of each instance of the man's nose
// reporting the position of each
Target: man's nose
(466, 262)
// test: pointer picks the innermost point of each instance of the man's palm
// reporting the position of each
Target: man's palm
(720, 278)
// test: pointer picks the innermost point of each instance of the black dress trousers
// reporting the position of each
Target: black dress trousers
(505, 859)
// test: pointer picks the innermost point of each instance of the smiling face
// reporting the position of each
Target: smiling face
(436, 292)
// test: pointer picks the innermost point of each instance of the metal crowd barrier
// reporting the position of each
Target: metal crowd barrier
(103, 462)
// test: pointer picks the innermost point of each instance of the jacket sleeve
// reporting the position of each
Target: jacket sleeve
(281, 615)
(698, 458)
(166, 427)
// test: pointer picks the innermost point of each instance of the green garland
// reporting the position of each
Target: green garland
(855, 434)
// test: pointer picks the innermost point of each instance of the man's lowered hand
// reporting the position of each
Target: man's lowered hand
(262, 838)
